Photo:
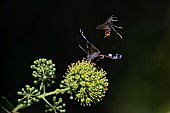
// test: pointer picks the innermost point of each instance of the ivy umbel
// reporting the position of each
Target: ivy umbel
(84, 81)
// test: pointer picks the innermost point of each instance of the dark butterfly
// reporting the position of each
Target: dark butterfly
(108, 25)
(94, 53)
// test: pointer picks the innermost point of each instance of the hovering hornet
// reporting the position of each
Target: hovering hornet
(94, 53)
(108, 25)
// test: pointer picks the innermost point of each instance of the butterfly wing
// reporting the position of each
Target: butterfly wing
(92, 51)
(101, 26)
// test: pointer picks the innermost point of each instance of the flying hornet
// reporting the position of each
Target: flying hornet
(108, 25)
(93, 53)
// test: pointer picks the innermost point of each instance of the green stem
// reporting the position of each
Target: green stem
(5, 109)
(53, 92)
(21, 105)
(49, 104)
(43, 88)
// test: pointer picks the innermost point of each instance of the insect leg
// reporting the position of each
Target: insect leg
(111, 19)
(113, 16)
(117, 26)
(116, 32)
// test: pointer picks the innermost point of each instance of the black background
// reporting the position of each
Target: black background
(138, 83)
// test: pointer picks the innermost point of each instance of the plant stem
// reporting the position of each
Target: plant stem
(21, 105)
(49, 104)
(53, 92)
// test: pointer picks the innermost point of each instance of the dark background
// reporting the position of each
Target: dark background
(138, 83)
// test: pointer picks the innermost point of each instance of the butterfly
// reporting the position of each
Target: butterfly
(94, 53)
(108, 25)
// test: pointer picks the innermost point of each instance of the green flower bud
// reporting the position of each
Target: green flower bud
(71, 97)
(19, 93)
(35, 82)
(54, 98)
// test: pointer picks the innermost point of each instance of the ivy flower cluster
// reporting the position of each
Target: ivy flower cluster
(30, 95)
(44, 72)
(57, 106)
(86, 82)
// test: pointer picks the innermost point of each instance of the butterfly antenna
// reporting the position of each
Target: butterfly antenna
(82, 34)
